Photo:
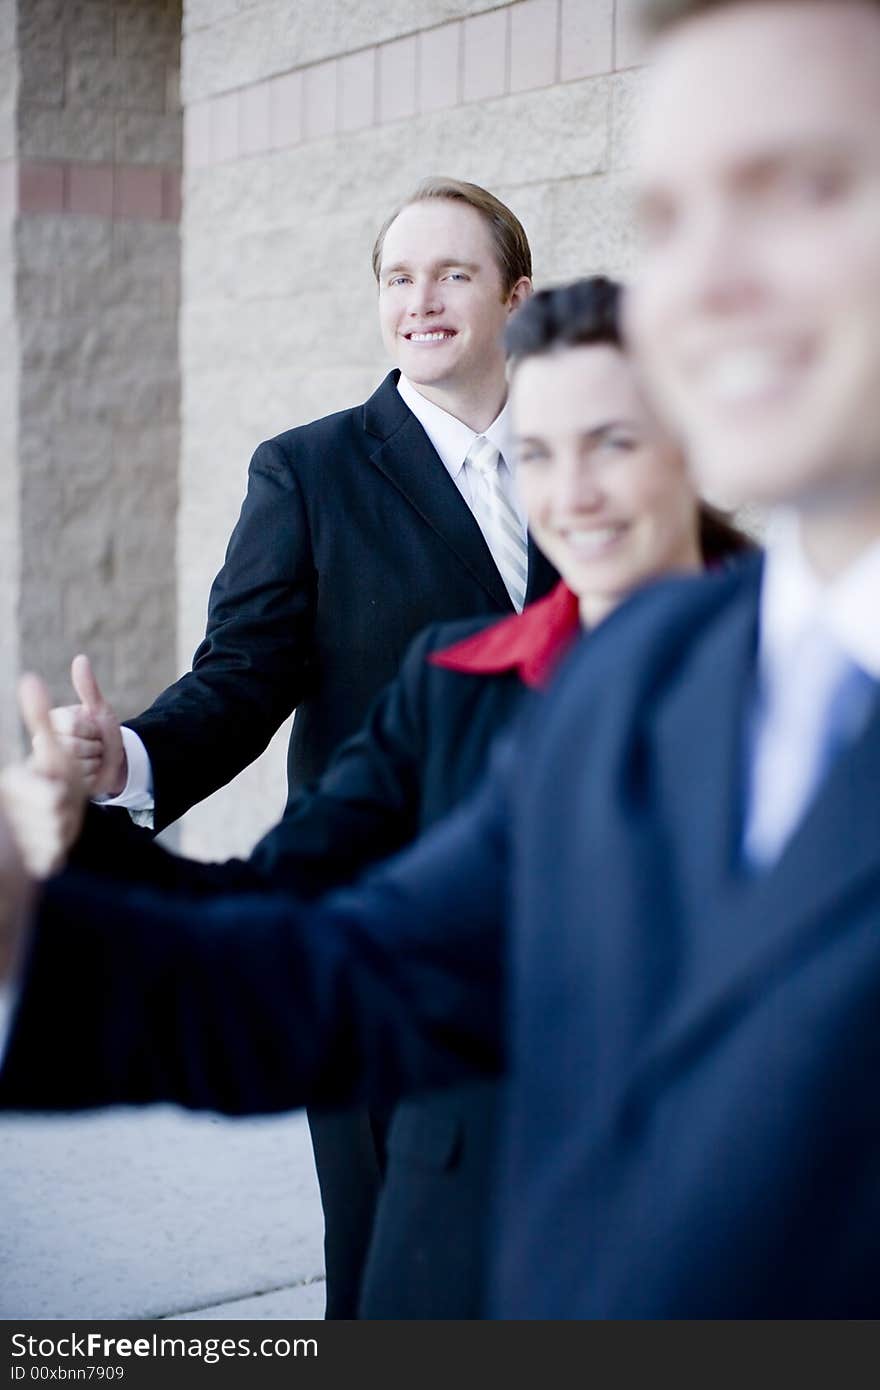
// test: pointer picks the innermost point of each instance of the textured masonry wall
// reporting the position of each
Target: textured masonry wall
(93, 173)
(8, 394)
(304, 123)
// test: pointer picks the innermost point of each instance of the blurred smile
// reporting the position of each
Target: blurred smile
(592, 542)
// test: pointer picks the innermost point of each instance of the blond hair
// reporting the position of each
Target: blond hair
(512, 252)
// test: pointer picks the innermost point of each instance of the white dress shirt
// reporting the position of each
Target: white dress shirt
(793, 595)
(452, 440)
(808, 631)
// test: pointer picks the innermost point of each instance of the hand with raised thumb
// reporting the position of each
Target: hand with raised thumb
(89, 733)
(44, 798)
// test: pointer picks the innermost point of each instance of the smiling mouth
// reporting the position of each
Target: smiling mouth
(437, 335)
(588, 543)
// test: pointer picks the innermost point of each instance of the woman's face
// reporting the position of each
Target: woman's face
(607, 492)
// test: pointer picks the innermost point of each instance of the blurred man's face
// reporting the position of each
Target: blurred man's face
(757, 308)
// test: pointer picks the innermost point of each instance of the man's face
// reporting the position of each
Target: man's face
(442, 303)
(757, 309)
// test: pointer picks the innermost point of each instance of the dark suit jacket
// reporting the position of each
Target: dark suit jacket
(692, 1122)
(352, 538)
(422, 748)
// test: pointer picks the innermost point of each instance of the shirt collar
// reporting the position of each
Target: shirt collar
(793, 596)
(450, 437)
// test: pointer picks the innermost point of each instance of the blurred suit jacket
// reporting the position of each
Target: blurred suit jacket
(692, 1116)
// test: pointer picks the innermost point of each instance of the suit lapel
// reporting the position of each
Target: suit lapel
(755, 928)
(406, 457)
(698, 738)
(542, 575)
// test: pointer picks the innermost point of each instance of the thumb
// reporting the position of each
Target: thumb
(35, 705)
(86, 685)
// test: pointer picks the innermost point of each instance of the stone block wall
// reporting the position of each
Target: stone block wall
(9, 567)
(304, 124)
(91, 166)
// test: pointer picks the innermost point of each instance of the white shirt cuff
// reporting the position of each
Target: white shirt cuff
(137, 794)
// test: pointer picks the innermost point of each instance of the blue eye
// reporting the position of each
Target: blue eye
(457, 275)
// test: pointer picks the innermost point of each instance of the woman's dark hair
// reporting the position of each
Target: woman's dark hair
(587, 313)
(575, 315)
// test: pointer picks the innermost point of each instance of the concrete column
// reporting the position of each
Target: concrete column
(90, 260)
(9, 519)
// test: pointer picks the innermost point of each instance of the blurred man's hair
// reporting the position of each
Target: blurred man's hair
(655, 17)
(512, 252)
(587, 313)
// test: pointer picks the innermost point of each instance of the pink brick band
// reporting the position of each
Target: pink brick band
(506, 50)
(124, 192)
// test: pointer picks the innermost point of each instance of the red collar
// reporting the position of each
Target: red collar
(532, 642)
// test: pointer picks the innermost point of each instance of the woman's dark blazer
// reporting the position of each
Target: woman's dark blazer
(422, 748)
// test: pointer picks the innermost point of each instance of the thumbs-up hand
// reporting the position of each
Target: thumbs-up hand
(89, 733)
(44, 797)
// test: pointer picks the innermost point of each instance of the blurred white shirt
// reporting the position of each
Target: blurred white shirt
(810, 633)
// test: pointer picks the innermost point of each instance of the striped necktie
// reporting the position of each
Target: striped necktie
(498, 520)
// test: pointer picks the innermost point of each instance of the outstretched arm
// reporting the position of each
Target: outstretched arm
(253, 665)
(366, 807)
(253, 1005)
